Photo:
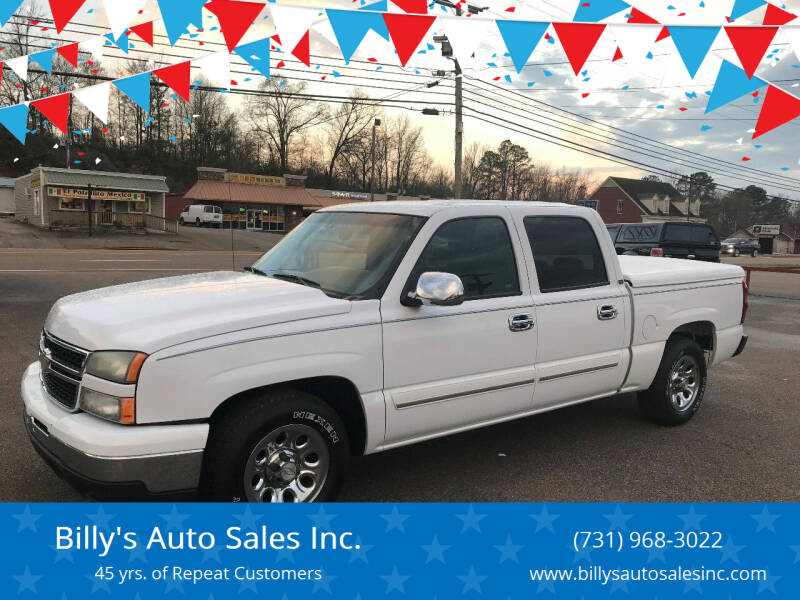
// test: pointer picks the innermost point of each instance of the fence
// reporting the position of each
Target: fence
(78, 219)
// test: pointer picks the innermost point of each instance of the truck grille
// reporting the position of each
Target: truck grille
(62, 369)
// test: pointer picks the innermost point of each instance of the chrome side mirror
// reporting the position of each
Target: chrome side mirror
(440, 289)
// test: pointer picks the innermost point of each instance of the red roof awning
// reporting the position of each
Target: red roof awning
(244, 193)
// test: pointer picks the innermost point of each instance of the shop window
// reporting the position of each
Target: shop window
(138, 207)
(71, 204)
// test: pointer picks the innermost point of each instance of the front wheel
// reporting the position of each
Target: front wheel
(679, 385)
(736, 252)
(284, 446)
(755, 253)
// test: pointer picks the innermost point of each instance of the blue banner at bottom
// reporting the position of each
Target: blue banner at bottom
(144, 551)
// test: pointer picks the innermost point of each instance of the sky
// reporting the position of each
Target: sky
(656, 103)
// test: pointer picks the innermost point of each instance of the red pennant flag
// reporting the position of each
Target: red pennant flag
(302, 50)
(578, 41)
(55, 109)
(617, 55)
(663, 34)
(779, 107)
(177, 77)
(751, 45)
(419, 7)
(69, 53)
(63, 11)
(777, 16)
(235, 18)
(144, 31)
(407, 32)
(637, 16)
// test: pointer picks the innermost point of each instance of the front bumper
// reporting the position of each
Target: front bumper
(97, 455)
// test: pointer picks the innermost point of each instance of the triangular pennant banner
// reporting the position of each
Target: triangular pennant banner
(350, 27)
(178, 14)
(44, 59)
(63, 11)
(256, 54)
(55, 109)
(95, 98)
(120, 13)
(419, 7)
(742, 7)
(578, 41)
(751, 44)
(218, 66)
(407, 32)
(121, 42)
(144, 31)
(15, 119)
(732, 83)
(292, 22)
(597, 10)
(20, 66)
(381, 6)
(137, 88)
(95, 46)
(663, 34)
(777, 16)
(465, 35)
(69, 53)
(521, 39)
(693, 43)
(637, 16)
(779, 107)
(235, 18)
(302, 51)
(7, 10)
(178, 78)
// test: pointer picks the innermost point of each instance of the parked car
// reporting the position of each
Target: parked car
(737, 246)
(202, 215)
(695, 241)
(370, 327)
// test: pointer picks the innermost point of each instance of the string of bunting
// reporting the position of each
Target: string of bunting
(405, 24)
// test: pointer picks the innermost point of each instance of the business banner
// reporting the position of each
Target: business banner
(144, 551)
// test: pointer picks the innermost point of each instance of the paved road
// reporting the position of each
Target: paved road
(743, 444)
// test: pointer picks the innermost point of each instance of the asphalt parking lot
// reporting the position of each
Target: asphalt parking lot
(742, 446)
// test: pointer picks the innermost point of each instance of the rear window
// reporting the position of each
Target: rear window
(688, 232)
(613, 230)
(703, 234)
(640, 233)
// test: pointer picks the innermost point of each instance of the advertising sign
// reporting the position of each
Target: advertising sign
(58, 192)
(766, 229)
(588, 204)
(350, 195)
(255, 179)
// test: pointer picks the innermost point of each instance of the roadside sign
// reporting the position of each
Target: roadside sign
(766, 229)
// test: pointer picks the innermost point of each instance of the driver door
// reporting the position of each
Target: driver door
(452, 367)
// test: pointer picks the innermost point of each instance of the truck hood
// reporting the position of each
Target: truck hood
(646, 271)
(147, 316)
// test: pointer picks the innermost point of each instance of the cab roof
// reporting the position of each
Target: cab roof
(426, 208)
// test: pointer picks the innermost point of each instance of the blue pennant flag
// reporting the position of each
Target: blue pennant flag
(7, 8)
(256, 54)
(44, 59)
(742, 7)
(137, 88)
(121, 42)
(178, 14)
(693, 43)
(597, 10)
(732, 83)
(521, 38)
(350, 27)
(382, 6)
(15, 119)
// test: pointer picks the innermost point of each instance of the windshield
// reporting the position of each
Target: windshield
(345, 254)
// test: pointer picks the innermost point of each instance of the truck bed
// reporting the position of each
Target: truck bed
(646, 271)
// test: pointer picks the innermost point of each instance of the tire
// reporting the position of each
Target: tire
(197, 222)
(246, 459)
(736, 252)
(659, 403)
(755, 253)
(180, 221)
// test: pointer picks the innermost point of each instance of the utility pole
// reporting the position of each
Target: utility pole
(89, 207)
(69, 141)
(375, 126)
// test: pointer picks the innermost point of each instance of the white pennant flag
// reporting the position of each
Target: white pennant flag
(94, 46)
(792, 36)
(95, 98)
(465, 35)
(292, 22)
(120, 13)
(635, 42)
(20, 66)
(217, 66)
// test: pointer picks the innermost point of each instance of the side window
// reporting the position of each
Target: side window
(208, 209)
(566, 253)
(703, 234)
(479, 251)
(679, 232)
(620, 206)
(640, 233)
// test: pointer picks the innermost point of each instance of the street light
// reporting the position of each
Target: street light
(375, 126)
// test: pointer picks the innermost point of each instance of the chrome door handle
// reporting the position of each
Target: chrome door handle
(521, 322)
(606, 312)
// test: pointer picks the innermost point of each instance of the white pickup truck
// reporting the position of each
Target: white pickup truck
(369, 327)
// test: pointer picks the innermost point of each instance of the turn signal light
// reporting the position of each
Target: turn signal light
(127, 411)
(133, 369)
(656, 252)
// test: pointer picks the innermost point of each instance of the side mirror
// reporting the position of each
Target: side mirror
(439, 289)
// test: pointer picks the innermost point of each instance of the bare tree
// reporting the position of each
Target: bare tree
(346, 127)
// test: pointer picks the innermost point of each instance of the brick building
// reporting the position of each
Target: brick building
(624, 200)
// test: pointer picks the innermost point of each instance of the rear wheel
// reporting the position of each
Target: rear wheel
(180, 221)
(736, 252)
(755, 253)
(679, 386)
(197, 221)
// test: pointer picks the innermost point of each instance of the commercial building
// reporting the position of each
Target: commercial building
(624, 200)
(773, 239)
(6, 196)
(59, 198)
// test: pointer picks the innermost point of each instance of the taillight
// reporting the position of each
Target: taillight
(656, 252)
(745, 300)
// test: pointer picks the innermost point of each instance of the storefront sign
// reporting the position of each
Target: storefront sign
(588, 204)
(255, 179)
(766, 229)
(96, 194)
(36, 181)
(350, 195)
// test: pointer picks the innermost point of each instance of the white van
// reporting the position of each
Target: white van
(202, 215)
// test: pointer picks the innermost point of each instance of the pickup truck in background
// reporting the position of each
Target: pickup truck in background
(369, 327)
(695, 241)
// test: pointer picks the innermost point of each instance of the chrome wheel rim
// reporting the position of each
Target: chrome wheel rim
(289, 464)
(684, 383)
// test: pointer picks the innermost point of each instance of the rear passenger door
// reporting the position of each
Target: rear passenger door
(582, 308)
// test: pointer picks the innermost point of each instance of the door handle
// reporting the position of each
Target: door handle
(521, 322)
(606, 312)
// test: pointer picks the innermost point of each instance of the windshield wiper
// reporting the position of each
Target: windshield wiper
(255, 270)
(296, 279)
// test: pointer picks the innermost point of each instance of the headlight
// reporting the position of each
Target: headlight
(119, 367)
(111, 408)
